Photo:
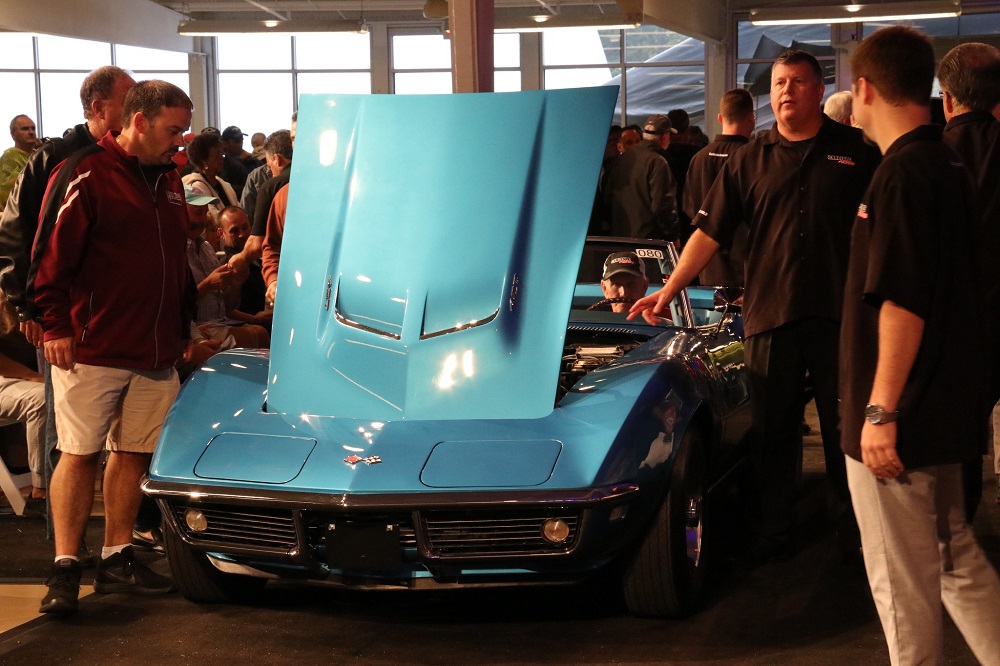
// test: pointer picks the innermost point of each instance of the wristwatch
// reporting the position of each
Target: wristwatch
(879, 415)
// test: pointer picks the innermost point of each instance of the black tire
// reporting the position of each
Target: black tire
(201, 582)
(665, 576)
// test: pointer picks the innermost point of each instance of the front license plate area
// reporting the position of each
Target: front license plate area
(364, 547)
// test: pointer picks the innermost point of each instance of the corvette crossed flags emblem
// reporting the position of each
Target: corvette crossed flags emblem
(368, 460)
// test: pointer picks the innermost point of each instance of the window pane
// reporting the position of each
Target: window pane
(66, 53)
(256, 51)
(580, 46)
(579, 77)
(179, 79)
(506, 49)
(242, 104)
(17, 49)
(653, 43)
(19, 98)
(660, 89)
(768, 41)
(358, 84)
(423, 83)
(506, 81)
(136, 58)
(968, 27)
(338, 50)
(61, 108)
(421, 52)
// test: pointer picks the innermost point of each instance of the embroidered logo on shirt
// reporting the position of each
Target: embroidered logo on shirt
(863, 211)
(710, 154)
(175, 197)
(841, 159)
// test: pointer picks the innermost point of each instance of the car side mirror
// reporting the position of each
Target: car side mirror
(728, 299)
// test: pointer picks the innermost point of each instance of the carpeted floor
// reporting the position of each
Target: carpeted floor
(25, 553)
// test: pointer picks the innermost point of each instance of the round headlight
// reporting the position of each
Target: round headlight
(555, 530)
(195, 520)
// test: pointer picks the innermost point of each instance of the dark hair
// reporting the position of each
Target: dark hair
(200, 147)
(232, 210)
(679, 119)
(99, 84)
(634, 128)
(736, 105)
(899, 62)
(150, 97)
(798, 57)
(279, 143)
(971, 74)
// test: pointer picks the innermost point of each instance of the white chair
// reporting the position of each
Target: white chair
(12, 483)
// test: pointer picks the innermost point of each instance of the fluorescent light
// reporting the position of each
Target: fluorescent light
(208, 28)
(888, 11)
(545, 22)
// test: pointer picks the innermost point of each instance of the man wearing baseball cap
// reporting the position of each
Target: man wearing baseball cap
(232, 144)
(624, 280)
(643, 201)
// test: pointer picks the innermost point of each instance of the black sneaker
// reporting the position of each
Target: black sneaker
(122, 572)
(151, 540)
(64, 588)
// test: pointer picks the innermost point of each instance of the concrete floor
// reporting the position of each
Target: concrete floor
(812, 609)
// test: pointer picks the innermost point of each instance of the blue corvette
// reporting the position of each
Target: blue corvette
(441, 406)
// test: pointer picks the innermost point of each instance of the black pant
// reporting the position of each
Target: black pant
(777, 361)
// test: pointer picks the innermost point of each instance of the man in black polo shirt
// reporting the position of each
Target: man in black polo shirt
(970, 87)
(737, 117)
(797, 189)
(912, 402)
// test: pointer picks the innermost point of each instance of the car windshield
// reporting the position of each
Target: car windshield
(618, 257)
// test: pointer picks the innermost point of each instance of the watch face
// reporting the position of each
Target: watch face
(878, 414)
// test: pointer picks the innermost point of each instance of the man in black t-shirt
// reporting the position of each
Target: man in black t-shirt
(797, 190)
(912, 402)
(970, 89)
(737, 117)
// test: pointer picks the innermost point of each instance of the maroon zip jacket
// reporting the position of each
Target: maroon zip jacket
(114, 274)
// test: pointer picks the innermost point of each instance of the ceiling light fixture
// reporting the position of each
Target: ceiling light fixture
(209, 28)
(882, 11)
(550, 22)
(436, 9)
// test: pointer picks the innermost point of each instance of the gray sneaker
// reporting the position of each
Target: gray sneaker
(122, 572)
(64, 588)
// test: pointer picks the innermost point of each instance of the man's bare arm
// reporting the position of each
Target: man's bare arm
(699, 250)
(899, 335)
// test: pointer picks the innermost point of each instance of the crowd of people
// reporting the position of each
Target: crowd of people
(131, 251)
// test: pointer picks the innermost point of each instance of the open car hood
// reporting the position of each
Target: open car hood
(430, 252)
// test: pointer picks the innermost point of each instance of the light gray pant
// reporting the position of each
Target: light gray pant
(919, 553)
(24, 401)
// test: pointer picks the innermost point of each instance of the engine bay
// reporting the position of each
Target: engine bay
(587, 351)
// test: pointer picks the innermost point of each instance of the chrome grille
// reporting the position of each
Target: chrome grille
(265, 528)
(316, 523)
(479, 534)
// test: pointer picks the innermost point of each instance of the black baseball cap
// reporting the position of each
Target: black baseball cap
(623, 262)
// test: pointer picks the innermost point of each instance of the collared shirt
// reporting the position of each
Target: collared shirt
(202, 261)
(725, 269)
(799, 203)
(975, 136)
(914, 243)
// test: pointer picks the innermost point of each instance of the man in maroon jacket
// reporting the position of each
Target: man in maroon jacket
(112, 287)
